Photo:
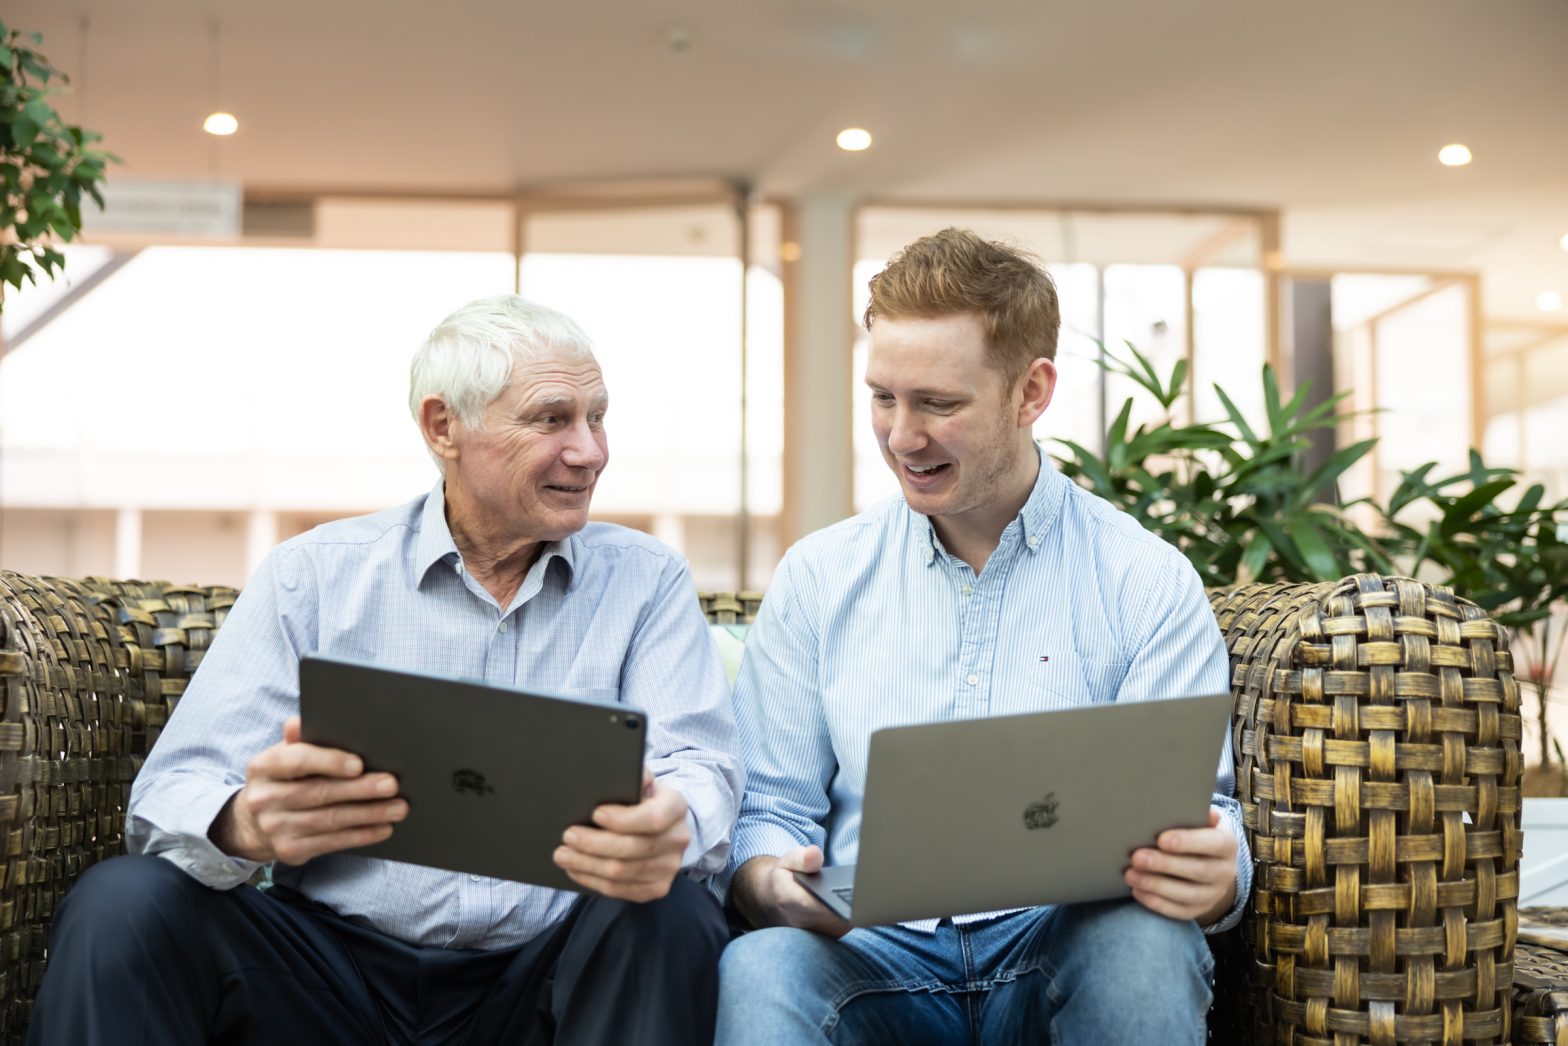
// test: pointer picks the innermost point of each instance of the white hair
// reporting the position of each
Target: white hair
(468, 358)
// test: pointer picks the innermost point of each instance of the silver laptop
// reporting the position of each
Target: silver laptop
(980, 815)
(493, 775)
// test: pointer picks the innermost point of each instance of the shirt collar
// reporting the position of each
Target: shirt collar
(1044, 506)
(435, 544)
(1034, 520)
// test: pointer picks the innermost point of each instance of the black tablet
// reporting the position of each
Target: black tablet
(493, 775)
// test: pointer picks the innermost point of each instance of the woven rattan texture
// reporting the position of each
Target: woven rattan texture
(89, 671)
(1377, 746)
(1540, 995)
(1541, 977)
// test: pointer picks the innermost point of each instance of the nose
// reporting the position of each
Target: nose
(905, 434)
(585, 447)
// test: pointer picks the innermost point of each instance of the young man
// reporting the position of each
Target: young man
(495, 574)
(937, 605)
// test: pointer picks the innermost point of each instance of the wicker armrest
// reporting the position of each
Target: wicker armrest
(89, 671)
(1376, 739)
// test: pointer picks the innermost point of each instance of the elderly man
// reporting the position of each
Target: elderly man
(495, 574)
(934, 606)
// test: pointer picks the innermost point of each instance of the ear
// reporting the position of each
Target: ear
(1036, 384)
(437, 423)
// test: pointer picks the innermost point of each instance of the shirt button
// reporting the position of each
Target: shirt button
(474, 879)
(501, 627)
(967, 590)
(1034, 541)
(973, 679)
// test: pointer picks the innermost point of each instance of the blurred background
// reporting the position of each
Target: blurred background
(223, 363)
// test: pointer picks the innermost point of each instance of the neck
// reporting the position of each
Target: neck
(498, 562)
(973, 536)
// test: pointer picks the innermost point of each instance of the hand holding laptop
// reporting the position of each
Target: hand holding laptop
(768, 894)
(635, 851)
(301, 801)
(1190, 873)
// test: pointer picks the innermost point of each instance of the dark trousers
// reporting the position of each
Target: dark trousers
(142, 953)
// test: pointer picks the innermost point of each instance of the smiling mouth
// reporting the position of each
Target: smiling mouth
(926, 470)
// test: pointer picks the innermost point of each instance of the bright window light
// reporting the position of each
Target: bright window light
(1549, 301)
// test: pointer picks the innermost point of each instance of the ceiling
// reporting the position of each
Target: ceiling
(1332, 112)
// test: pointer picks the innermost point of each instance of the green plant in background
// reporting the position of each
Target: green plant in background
(46, 166)
(1239, 502)
(1242, 506)
(1506, 550)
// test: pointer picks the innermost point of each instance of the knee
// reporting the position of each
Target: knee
(123, 889)
(687, 922)
(1137, 945)
(765, 962)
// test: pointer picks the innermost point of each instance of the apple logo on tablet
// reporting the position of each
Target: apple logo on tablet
(470, 781)
(1041, 814)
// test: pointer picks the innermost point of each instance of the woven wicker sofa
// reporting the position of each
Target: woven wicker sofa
(1376, 734)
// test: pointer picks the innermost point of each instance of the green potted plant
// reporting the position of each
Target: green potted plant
(1242, 505)
(1239, 502)
(46, 165)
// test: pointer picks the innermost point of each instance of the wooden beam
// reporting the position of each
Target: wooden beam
(1478, 372)
(1085, 206)
(1442, 284)
(1233, 230)
(1273, 259)
(1190, 344)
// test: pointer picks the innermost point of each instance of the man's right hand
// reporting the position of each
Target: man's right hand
(765, 891)
(301, 801)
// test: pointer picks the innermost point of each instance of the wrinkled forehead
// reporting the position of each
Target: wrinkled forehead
(567, 378)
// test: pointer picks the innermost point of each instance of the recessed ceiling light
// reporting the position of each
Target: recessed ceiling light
(1454, 155)
(854, 139)
(1563, 243)
(1549, 301)
(220, 124)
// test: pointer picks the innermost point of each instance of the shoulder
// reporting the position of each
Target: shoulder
(613, 541)
(615, 559)
(861, 538)
(371, 529)
(351, 543)
(1117, 539)
(829, 567)
(1143, 576)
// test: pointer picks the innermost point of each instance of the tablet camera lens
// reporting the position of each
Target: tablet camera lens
(631, 722)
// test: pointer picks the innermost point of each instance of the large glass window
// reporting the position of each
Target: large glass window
(176, 409)
(1402, 351)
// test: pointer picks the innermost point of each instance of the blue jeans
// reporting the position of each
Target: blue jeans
(1085, 973)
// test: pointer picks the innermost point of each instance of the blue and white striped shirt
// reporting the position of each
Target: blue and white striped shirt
(871, 623)
(608, 614)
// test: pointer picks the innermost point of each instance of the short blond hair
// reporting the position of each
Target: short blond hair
(956, 271)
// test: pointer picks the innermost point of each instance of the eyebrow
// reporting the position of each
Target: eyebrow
(932, 393)
(556, 401)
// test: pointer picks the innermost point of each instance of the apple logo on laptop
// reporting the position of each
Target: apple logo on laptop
(1041, 814)
(471, 781)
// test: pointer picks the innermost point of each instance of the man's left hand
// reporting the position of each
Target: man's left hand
(1190, 874)
(634, 852)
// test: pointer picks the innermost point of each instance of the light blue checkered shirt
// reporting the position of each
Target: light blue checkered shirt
(609, 614)
(871, 623)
